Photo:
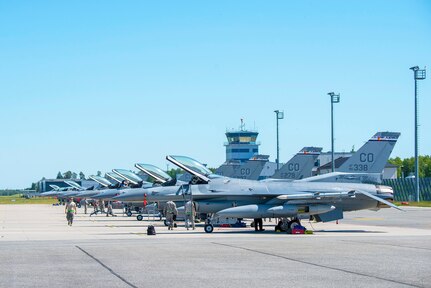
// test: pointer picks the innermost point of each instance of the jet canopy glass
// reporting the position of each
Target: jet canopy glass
(193, 167)
(155, 172)
(102, 181)
(114, 177)
(73, 184)
(128, 175)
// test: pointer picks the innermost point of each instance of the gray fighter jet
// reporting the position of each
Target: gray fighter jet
(239, 198)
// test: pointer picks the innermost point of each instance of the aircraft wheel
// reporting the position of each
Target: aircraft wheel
(78, 205)
(139, 217)
(129, 213)
(209, 228)
(277, 228)
(165, 222)
(293, 223)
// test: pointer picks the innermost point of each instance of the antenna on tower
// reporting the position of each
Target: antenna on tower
(242, 125)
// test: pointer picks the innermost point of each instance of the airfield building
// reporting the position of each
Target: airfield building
(241, 145)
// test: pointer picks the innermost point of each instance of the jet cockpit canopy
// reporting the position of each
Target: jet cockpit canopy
(102, 181)
(114, 177)
(128, 175)
(73, 184)
(133, 178)
(201, 173)
(156, 173)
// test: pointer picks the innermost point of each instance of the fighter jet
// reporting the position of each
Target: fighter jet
(221, 196)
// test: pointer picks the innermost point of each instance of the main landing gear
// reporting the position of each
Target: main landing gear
(286, 224)
(209, 228)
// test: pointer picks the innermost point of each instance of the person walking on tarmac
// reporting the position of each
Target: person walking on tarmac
(85, 203)
(258, 222)
(171, 213)
(190, 214)
(70, 210)
(109, 210)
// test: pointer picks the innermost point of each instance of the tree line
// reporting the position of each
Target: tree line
(72, 175)
(406, 166)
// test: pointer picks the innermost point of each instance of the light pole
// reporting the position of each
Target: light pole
(335, 98)
(419, 74)
(278, 115)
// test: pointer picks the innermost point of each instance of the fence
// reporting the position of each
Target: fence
(405, 189)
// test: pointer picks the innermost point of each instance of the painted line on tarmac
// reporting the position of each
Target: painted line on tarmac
(316, 265)
(384, 244)
(107, 268)
(367, 219)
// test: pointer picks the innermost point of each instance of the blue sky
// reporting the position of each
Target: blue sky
(97, 85)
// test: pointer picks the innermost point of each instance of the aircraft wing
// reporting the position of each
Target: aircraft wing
(380, 200)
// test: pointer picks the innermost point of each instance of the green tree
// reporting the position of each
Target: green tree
(173, 172)
(74, 175)
(67, 175)
(212, 169)
(59, 175)
(398, 162)
(99, 173)
(81, 175)
(425, 166)
(406, 166)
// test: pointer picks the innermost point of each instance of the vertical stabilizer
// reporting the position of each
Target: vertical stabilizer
(373, 155)
(249, 170)
(300, 166)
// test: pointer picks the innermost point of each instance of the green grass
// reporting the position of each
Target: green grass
(17, 199)
(416, 204)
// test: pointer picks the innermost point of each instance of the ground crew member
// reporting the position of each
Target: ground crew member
(170, 212)
(102, 206)
(109, 210)
(190, 214)
(85, 205)
(258, 223)
(95, 205)
(70, 210)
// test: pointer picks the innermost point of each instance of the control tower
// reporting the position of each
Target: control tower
(241, 145)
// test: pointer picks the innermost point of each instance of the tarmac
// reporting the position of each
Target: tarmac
(388, 248)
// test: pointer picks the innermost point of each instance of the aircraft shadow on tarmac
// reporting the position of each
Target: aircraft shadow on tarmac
(110, 219)
(112, 226)
(241, 232)
(350, 231)
(191, 232)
